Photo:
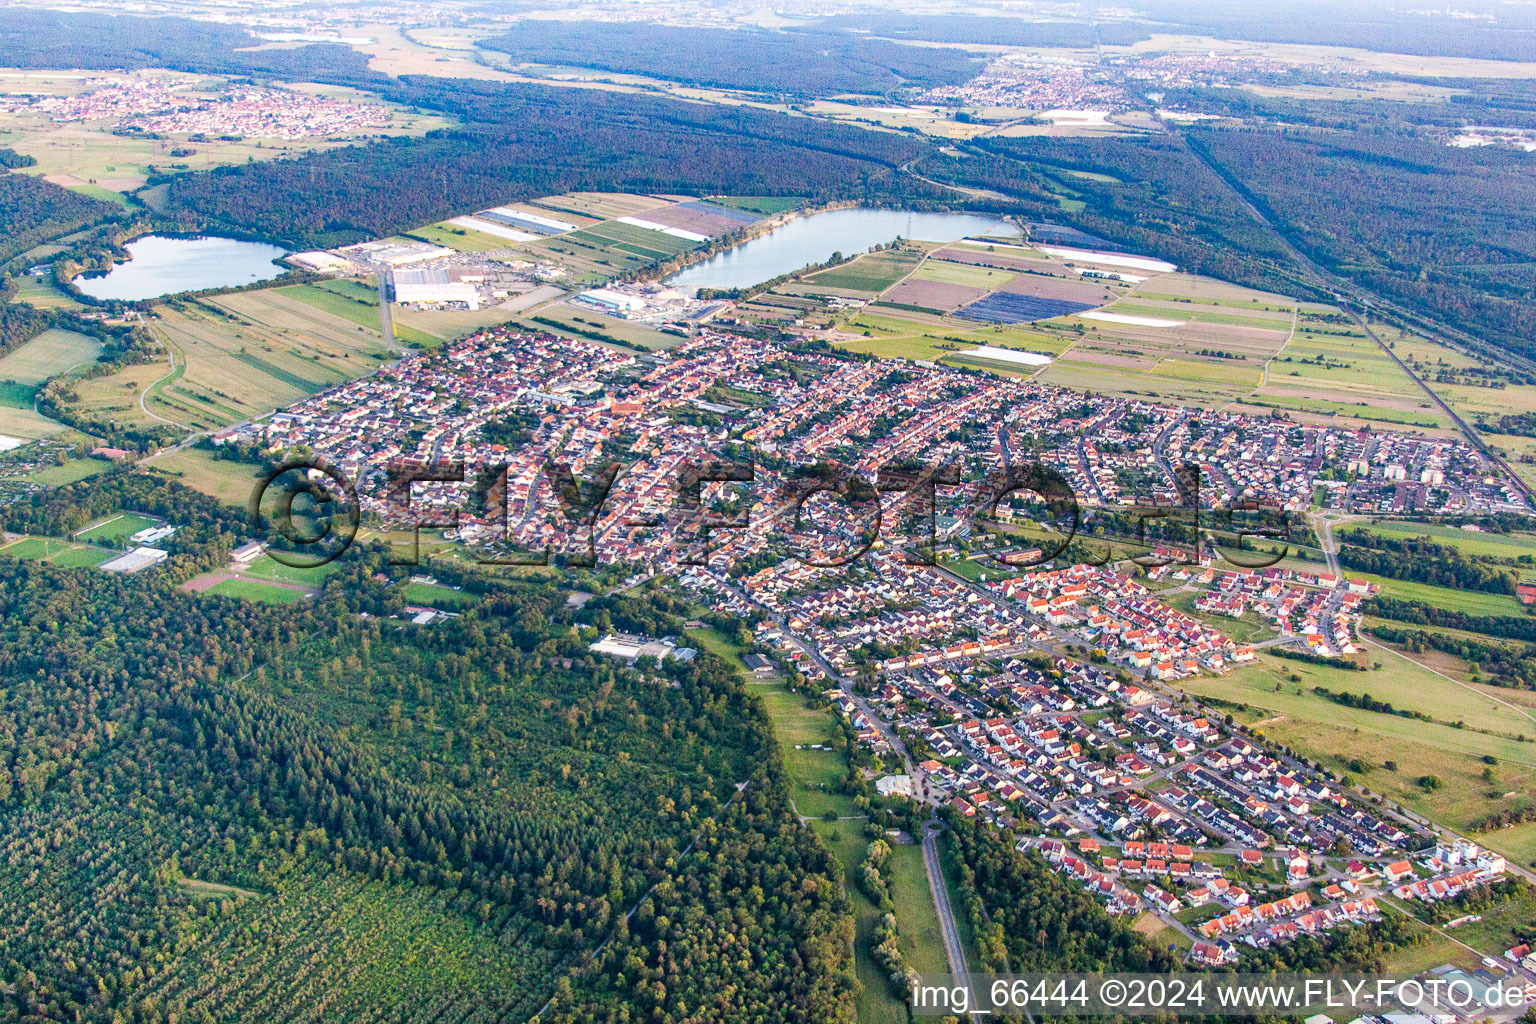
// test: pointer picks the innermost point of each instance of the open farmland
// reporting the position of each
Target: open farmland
(1507, 547)
(1489, 727)
(25, 368)
(43, 293)
(47, 355)
(932, 295)
(236, 356)
(230, 482)
(456, 237)
(985, 278)
(1330, 368)
(593, 326)
(869, 274)
(898, 334)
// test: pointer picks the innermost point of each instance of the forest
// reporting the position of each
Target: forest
(800, 63)
(34, 211)
(952, 28)
(1399, 26)
(1422, 560)
(54, 39)
(1448, 231)
(1163, 201)
(523, 141)
(259, 806)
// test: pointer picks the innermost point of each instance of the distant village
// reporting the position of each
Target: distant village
(160, 106)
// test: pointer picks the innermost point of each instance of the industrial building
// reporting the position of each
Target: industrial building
(150, 535)
(397, 254)
(134, 561)
(623, 645)
(432, 287)
(322, 262)
(611, 301)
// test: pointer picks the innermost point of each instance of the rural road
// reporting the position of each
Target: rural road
(952, 948)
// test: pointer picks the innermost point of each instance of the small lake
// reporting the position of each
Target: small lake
(815, 237)
(158, 266)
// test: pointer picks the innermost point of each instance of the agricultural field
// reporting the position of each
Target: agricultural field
(239, 356)
(26, 367)
(43, 293)
(48, 355)
(594, 326)
(870, 274)
(1505, 547)
(445, 324)
(1472, 602)
(1488, 727)
(969, 275)
(460, 239)
(1186, 344)
(230, 482)
(899, 334)
(1330, 371)
(70, 472)
(765, 206)
(933, 296)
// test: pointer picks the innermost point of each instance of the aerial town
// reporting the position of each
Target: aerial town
(164, 106)
(979, 685)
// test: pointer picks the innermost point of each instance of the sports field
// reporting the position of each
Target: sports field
(115, 529)
(62, 553)
(254, 590)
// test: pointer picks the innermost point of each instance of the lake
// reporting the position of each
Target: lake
(158, 265)
(815, 237)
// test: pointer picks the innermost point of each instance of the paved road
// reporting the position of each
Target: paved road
(952, 948)
(386, 315)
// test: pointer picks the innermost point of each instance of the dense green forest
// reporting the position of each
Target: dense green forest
(1447, 230)
(20, 324)
(54, 39)
(214, 808)
(33, 211)
(522, 141)
(1163, 201)
(1026, 917)
(949, 28)
(800, 63)
(1396, 26)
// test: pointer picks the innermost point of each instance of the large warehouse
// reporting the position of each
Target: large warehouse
(434, 287)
